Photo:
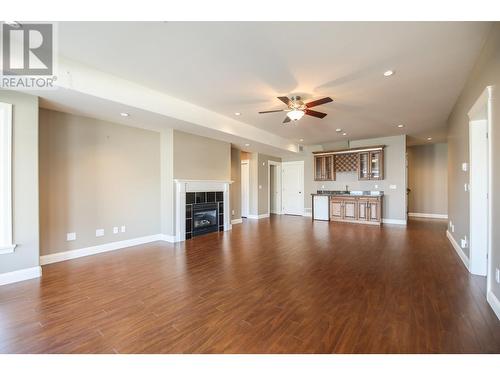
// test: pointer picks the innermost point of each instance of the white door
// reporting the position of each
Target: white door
(293, 187)
(245, 188)
(478, 187)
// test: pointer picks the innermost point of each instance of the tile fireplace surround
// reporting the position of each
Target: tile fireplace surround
(186, 186)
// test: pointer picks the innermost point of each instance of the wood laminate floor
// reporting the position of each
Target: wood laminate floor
(278, 285)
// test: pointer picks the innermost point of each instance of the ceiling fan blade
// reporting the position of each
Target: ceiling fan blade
(287, 119)
(317, 114)
(278, 110)
(314, 103)
(284, 99)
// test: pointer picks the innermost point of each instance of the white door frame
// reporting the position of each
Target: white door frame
(482, 110)
(278, 182)
(284, 164)
(246, 162)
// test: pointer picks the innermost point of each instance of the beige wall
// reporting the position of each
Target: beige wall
(201, 158)
(96, 175)
(486, 72)
(235, 188)
(427, 179)
(24, 182)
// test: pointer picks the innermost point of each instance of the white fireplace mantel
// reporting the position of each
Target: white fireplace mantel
(184, 186)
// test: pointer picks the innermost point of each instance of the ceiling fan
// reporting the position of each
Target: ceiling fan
(297, 108)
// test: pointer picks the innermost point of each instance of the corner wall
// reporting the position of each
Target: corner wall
(486, 72)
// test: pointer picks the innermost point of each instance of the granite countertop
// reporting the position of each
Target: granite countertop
(348, 194)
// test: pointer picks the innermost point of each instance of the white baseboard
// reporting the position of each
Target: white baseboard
(237, 221)
(428, 216)
(394, 221)
(494, 303)
(72, 254)
(458, 249)
(20, 275)
(166, 238)
(256, 217)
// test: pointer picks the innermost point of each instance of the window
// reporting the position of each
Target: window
(6, 245)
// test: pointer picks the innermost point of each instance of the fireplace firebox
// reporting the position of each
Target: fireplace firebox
(204, 213)
(205, 218)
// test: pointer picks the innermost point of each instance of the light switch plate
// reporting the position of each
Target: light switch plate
(466, 187)
(464, 167)
(123, 229)
(115, 230)
(393, 187)
(497, 275)
(463, 242)
(70, 236)
(99, 232)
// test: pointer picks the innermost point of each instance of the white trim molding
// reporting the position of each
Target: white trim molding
(307, 212)
(237, 221)
(184, 186)
(6, 242)
(257, 217)
(20, 275)
(394, 221)
(458, 249)
(494, 303)
(428, 216)
(111, 246)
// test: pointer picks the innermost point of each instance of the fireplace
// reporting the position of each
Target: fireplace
(205, 218)
(204, 213)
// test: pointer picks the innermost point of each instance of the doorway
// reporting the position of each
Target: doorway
(274, 186)
(480, 187)
(293, 187)
(245, 188)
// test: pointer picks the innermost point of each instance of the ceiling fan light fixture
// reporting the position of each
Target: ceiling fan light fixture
(295, 114)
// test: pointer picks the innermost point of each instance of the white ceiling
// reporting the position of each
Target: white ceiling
(242, 67)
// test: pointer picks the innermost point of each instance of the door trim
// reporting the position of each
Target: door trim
(284, 164)
(278, 169)
(485, 101)
(245, 162)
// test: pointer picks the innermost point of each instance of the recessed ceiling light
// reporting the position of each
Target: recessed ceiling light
(401, 126)
(237, 113)
(247, 144)
(344, 133)
(429, 139)
(301, 139)
(338, 130)
(124, 114)
(388, 73)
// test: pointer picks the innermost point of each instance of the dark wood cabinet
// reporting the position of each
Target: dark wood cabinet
(369, 166)
(324, 168)
(362, 210)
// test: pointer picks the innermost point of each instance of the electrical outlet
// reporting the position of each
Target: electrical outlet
(115, 230)
(99, 232)
(376, 186)
(393, 187)
(466, 187)
(123, 229)
(497, 275)
(70, 236)
(232, 212)
(463, 242)
(464, 167)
